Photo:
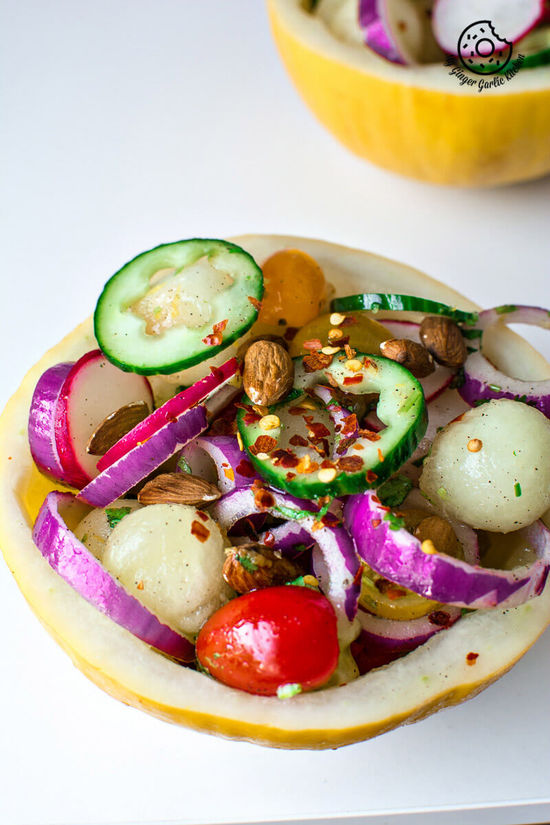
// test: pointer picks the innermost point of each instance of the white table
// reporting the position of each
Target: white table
(126, 124)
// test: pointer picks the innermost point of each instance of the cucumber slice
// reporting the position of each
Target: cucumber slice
(177, 304)
(360, 459)
(376, 301)
(535, 47)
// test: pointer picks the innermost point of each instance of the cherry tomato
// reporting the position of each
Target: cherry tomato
(295, 289)
(271, 638)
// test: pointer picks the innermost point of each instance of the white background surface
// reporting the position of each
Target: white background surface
(127, 124)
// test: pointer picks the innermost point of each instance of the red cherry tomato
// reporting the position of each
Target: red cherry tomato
(269, 638)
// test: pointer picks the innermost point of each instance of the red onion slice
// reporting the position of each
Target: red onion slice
(41, 426)
(483, 381)
(79, 568)
(170, 410)
(398, 556)
(403, 636)
(335, 563)
(233, 466)
(145, 457)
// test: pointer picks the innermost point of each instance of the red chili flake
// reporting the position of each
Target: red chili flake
(458, 418)
(316, 429)
(344, 444)
(255, 303)
(313, 344)
(380, 456)
(306, 465)
(349, 425)
(316, 361)
(220, 326)
(339, 342)
(370, 435)
(263, 444)
(350, 464)
(199, 531)
(384, 508)
(471, 658)
(352, 379)
(269, 539)
(290, 333)
(245, 468)
(251, 417)
(358, 446)
(201, 515)
(297, 410)
(284, 458)
(349, 321)
(331, 380)
(140, 585)
(439, 618)
(217, 373)
(213, 340)
(298, 441)
(263, 499)
(289, 476)
(330, 520)
(389, 589)
(322, 448)
(350, 352)
(368, 362)
(371, 478)
(327, 465)
(376, 522)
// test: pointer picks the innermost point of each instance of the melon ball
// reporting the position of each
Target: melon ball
(170, 558)
(95, 528)
(490, 468)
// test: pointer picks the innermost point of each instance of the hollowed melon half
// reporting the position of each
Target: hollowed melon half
(430, 678)
(418, 121)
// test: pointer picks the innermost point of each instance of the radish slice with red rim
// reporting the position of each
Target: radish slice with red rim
(398, 30)
(434, 384)
(79, 568)
(144, 458)
(394, 553)
(484, 382)
(506, 21)
(92, 390)
(336, 562)
(171, 409)
(41, 428)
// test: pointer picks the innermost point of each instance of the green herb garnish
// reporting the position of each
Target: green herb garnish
(517, 489)
(288, 691)
(247, 563)
(116, 514)
(394, 491)
(396, 522)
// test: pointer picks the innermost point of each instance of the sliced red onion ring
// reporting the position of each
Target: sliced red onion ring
(335, 563)
(145, 457)
(398, 556)
(403, 636)
(483, 381)
(434, 384)
(376, 33)
(171, 409)
(233, 466)
(79, 568)
(41, 427)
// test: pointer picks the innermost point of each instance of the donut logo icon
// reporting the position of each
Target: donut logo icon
(481, 50)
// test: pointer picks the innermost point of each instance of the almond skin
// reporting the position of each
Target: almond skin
(410, 354)
(178, 488)
(115, 426)
(268, 372)
(443, 338)
(252, 566)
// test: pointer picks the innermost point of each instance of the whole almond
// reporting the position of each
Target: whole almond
(410, 354)
(443, 338)
(178, 488)
(268, 372)
(252, 566)
(277, 339)
(115, 426)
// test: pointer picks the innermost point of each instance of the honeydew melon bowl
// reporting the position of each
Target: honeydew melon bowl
(433, 676)
(418, 121)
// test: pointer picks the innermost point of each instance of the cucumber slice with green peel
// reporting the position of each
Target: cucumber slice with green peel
(535, 47)
(319, 449)
(377, 301)
(177, 305)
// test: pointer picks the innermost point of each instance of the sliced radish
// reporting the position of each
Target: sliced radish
(434, 384)
(398, 30)
(79, 568)
(41, 426)
(144, 458)
(171, 409)
(503, 22)
(92, 390)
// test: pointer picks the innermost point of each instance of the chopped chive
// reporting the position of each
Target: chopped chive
(442, 493)
(495, 387)
(517, 489)
(116, 514)
(289, 690)
(396, 523)
(247, 563)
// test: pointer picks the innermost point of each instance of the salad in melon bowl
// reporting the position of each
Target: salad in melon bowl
(284, 491)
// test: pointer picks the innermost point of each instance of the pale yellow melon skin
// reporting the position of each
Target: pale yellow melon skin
(432, 677)
(417, 121)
